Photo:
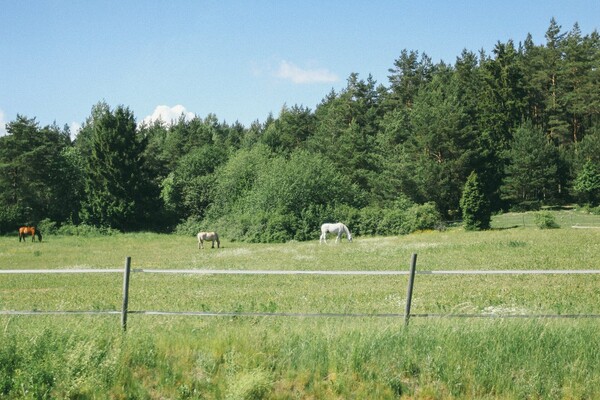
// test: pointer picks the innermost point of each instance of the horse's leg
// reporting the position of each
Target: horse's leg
(213, 244)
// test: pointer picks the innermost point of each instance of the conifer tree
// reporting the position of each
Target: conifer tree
(531, 174)
(476, 210)
(116, 188)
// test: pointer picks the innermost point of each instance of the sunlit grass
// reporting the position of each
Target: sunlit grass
(175, 357)
(83, 356)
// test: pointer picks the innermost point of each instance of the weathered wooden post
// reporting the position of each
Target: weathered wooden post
(411, 282)
(125, 293)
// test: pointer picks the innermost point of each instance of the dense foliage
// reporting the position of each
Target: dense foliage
(475, 207)
(525, 119)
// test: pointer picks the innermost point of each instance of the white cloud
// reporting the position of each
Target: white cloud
(168, 115)
(2, 124)
(292, 72)
(74, 128)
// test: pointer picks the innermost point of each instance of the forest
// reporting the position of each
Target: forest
(520, 125)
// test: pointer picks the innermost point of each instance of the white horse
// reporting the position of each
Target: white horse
(213, 236)
(338, 228)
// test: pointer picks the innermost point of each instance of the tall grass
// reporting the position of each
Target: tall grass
(74, 356)
(273, 358)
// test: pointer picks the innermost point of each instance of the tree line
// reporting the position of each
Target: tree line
(520, 125)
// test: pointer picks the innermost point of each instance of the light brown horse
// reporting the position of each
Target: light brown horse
(29, 230)
(213, 236)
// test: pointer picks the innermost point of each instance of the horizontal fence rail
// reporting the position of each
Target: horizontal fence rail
(305, 272)
(503, 315)
(299, 315)
(406, 315)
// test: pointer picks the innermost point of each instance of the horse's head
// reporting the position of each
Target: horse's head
(39, 234)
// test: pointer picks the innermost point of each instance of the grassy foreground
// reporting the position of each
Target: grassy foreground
(84, 356)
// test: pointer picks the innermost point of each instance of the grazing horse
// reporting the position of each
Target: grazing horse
(29, 230)
(213, 236)
(338, 228)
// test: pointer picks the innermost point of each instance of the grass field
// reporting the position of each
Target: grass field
(87, 356)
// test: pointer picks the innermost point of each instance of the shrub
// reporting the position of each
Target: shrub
(594, 210)
(85, 230)
(476, 210)
(190, 227)
(524, 206)
(47, 227)
(370, 218)
(392, 222)
(279, 228)
(287, 199)
(10, 217)
(545, 220)
(587, 183)
(421, 217)
(349, 215)
(309, 221)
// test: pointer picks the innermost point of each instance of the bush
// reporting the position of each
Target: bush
(10, 218)
(279, 228)
(47, 227)
(476, 210)
(190, 227)
(287, 199)
(349, 215)
(403, 219)
(392, 222)
(309, 221)
(545, 220)
(422, 217)
(370, 219)
(593, 210)
(587, 183)
(524, 206)
(85, 230)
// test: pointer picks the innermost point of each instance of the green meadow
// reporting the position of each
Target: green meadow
(368, 355)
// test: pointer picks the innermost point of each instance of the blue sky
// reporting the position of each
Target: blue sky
(240, 60)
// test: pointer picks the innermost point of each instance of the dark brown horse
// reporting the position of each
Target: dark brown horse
(29, 230)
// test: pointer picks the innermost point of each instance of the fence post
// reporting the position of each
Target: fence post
(124, 309)
(411, 282)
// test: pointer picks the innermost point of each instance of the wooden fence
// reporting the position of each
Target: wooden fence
(411, 272)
